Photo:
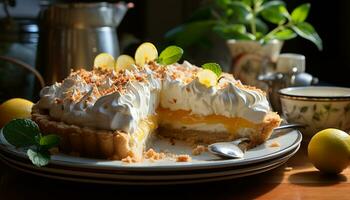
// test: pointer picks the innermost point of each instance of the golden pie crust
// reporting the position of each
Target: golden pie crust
(114, 145)
(88, 142)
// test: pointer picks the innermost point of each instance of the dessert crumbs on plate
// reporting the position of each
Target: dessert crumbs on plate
(275, 144)
(128, 159)
(153, 155)
(183, 158)
(198, 150)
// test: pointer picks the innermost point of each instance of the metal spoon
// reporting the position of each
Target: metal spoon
(228, 149)
(232, 150)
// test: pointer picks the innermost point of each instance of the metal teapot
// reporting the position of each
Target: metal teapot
(289, 73)
(72, 34)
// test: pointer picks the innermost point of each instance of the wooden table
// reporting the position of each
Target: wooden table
(298, 179)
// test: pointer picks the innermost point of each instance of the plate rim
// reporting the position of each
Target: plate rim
(184, 166)
(130, 183)
(219, 172)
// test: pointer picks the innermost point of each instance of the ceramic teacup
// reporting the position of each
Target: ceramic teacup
(316, 106)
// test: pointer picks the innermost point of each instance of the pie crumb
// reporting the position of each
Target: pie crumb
(128, 160)
(153, 155)
(198, 150)
(183, 158)
(275, 144)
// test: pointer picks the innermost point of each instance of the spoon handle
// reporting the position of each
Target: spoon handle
(287, 126)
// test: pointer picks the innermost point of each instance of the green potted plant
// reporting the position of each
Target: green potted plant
(254, 31)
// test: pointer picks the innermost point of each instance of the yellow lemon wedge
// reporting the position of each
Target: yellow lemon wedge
(207, 77)
(13, 109)
(145, 53)
(329, 150)
(104, 61)
(124, 62)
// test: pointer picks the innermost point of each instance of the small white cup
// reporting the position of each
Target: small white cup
(316, 106)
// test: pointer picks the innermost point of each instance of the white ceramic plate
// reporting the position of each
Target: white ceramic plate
(287, 141)
(223, 175)
(182, 175)
(138, 182)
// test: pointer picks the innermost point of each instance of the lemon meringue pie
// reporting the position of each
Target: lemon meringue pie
(109, 114)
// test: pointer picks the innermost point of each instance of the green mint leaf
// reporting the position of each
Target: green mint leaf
(214, 67)
(170, 55)
(22, 133)
(300, 13)
(49, 141)
(39, 158)
(285, 34)
(308, 32)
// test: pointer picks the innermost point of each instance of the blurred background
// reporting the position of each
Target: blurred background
(152, 20)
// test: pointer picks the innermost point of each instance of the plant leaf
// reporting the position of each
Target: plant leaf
(261, 26)
(222, 3)
(39, 158)
(274, 12)
(241, 11)
(49, 141)
(270, 4)
(203, 13)
(285, 34)
(300, 13)
(214, 67)
(232, 31)
(21, 132)
(308, 32)
(240, 4)
(247, 2)
(170, 55)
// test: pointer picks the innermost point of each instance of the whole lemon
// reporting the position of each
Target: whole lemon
(14, 108)
(329, 150)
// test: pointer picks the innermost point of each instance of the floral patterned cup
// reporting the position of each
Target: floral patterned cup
(316, 106)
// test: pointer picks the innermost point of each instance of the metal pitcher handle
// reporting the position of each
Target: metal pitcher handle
(25, 66)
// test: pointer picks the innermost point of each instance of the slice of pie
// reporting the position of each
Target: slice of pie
(108, 114)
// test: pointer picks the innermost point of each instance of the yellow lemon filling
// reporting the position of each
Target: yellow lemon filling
(232, 125)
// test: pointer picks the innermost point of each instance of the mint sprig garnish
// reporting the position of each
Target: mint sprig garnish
(214, 67)
(170, 55)
(39, 158)
(25, 133)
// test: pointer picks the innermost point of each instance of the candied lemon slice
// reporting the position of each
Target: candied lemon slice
(124, 62)
(145, 52)
(104, 60)
(207, 77)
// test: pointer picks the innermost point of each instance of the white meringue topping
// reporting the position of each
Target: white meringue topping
(122, 110)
